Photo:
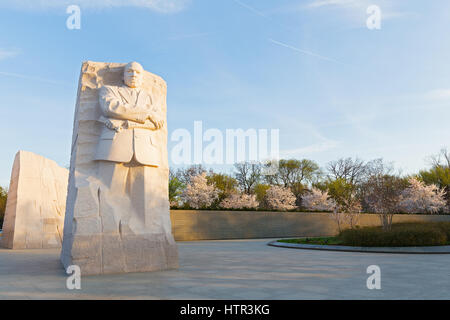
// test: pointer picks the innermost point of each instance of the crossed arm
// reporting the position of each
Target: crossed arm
(113, 107)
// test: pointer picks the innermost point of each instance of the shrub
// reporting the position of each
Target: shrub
(444, 227)
(402, 234)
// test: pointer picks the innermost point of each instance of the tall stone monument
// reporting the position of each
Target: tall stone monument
(34, 217)
(117, 217)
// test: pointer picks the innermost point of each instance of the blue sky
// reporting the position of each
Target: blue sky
(311, 69)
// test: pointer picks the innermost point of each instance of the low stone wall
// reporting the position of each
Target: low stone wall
(214, 225)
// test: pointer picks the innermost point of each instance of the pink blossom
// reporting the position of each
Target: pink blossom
(240, 201)
(280, 198)
(199, 194)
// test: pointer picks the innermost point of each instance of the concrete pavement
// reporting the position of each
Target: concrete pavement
(236, 269)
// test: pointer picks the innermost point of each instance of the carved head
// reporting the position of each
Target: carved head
(133, 75)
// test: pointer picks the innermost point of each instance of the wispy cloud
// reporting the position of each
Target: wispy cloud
(252, 9)
(322, 3)
(353, 11)
(308, 150)
(189, 36)
(312, 140)
(8, 53)
(263, 15)
(438, 94)
(309, 53)
(28, 77)
(163, 6)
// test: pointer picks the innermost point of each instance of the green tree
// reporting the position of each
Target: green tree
(293, 171)
(299, 190)
(296, 175)
(348, 205)
(224, 183)
(175, 189)
(3, 197)
(260, 191)
(340, 191)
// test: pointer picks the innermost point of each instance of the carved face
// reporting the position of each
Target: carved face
(133, 75)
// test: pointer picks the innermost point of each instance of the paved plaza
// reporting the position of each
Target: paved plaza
(235, 269)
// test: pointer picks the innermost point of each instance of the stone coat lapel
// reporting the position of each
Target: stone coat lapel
(125, 95)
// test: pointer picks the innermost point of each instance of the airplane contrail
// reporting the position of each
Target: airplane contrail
(304, 51)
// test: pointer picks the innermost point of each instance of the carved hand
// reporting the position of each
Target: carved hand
(141, 118)
(157, 121)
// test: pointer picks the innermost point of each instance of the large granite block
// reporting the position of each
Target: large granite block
(36, 204)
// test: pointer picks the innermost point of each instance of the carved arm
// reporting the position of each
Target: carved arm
(113, 107)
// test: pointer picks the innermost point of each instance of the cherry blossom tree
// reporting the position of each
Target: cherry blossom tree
(352, 210)
(280, 198)
(240, 201)
(347, 210)
(422, 198)
(198, 193)
(382, 194)
(318, 200)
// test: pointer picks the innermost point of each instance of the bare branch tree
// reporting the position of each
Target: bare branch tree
(442, 159)
(248, 174)
(185, 174)
(352, 171)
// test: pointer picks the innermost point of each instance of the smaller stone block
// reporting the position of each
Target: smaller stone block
(34, 217)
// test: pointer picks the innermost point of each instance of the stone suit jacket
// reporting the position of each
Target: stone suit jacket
(123, 136)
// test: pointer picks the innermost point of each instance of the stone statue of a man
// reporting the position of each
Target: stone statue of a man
(130, 115)
(127, 147)
(117, 216)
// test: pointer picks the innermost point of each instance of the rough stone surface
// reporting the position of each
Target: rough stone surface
(34, 216)
(117, 216)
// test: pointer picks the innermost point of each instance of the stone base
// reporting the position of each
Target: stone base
(115, 253)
